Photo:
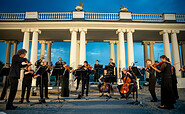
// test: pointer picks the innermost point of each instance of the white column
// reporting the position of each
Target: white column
(82, 45)
(130, 48)
(78, 53)
(145, 43)
(14, 47)
(152, 52)
(166, 43)
(8, 49)
(42, 50)
(182, 43)
(121, 48)
(112, 52)
(49, 52)
(118, 69)
(175, 52)
(26, 40)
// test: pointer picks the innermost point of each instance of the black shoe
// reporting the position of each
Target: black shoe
(101, 95)
(1, 98)
(122, 97)
(153, 100)
(10, 108)
(47, 97)
(27, 101)
(21, 101)
(162, 107)
(14, 106)
(86, 95)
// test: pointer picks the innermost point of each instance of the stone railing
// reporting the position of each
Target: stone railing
(55, 16)
(101, 16)
(81, 15)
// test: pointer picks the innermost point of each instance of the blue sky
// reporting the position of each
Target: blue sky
(95, 51)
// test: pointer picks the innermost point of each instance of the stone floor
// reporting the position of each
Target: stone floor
(93, 104)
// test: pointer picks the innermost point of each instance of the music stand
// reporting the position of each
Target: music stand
(5, 72)
(40, 71)
(57, 72)
(137, 73)
(81, 72)
(97, 68)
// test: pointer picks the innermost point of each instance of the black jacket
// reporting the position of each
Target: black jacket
(16, 66)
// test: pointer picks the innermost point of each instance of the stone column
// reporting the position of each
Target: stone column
(152, 52)
(26, 40)
(121, 48)
(48, 59)
(82, 45)
(112, 52)
(14, 47)
(78, 53)
(34, 49)
(8, 50)
(166, 43)
(130, 48)
(118, 69)
(145, 43)
(42, 50)
(175, 52)
(182, 43)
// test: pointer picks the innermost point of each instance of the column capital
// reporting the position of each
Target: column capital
(78, 41)
(42, 41)
(116, 42)
(36, 30)
(151, 42)
(7, 42)
(164, 31)
(73, 30)
(182, 42)
(120, 30)
(112, 42)
(15, 41)
(25, 30)
(83, 30)
(175, 31)
(145, 43)
(131, 30)
(49, 42)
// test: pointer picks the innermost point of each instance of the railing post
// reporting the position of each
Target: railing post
(32, 15)
(125, 16)
(169, 17)
(78, 15)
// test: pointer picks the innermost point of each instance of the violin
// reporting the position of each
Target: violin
(125, 88)
(183, 68)
(158, 64)
(68, 68)
(88, 67)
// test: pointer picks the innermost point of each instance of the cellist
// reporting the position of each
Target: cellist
(132, 83)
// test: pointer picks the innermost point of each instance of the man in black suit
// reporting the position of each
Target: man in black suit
(58, 65)
(14, 75)
(111, 69)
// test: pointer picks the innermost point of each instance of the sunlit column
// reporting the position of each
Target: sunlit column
(152, 52)
(8, 50)
(14, 47)
(112, 52)
(78, 53)
(82, 45)
(26, 40)
(130, 48)
(42, 50)
(145, 43)
(166, 43)
(48, 59)
(118, 69)
(175, 52)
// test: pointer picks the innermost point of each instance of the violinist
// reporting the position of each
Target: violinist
(105, 86)
(14, 75)
(96, 72)
(167, 94)
(132, 84)
(85, 77)
(152, 80)
(26, 83)
(44, 80)
(78, 78)
(58, 65)
(112, 66)
(183, 70)
(65, 80)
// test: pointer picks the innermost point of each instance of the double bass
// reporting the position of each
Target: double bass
(125, 87)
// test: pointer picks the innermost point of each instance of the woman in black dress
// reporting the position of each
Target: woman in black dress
(167, 94)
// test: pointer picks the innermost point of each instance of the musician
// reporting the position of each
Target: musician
(105, 86)
(132, 86)
(167, 94)
(112, 66)
(78, 78)
(85, 78)
(152, 80)
(65, 80)
(26, 83)
(183, 71)
(38, 64)
(96, 72)
(14, 75)
(58, 65)
(44, 80)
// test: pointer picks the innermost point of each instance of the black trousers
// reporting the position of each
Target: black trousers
(44, 85)
(5, 87)
(58, 80)
(26, 85)
(13, 90)
(85, 85)
(152, 82)
(78, 82)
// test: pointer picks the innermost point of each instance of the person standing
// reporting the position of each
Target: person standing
(167, 94)
(96, 71)
(112, 66)
(58, 65)
(14, 75)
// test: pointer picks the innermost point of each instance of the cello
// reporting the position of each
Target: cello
(125, 88)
